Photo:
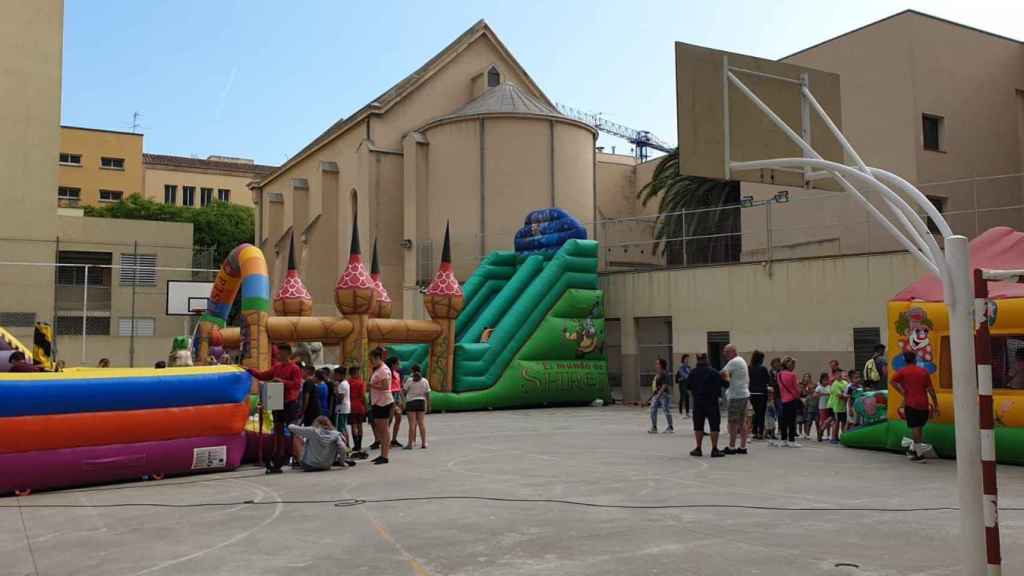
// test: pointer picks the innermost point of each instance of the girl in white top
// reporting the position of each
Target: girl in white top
(821, 392)
(417, 404)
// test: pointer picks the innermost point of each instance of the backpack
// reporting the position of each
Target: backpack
(871, 371)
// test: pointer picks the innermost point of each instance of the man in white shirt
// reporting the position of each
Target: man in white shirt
(737, 397)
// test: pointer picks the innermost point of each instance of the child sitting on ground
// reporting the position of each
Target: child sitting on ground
(323, 445)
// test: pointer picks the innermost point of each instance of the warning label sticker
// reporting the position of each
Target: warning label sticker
(209, 457)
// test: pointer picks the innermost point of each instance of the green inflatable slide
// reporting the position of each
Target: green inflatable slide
(547, 343)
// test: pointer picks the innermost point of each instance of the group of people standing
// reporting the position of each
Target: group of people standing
(772, 403)
(324, 411)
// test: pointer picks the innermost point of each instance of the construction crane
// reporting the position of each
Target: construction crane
(642, 140)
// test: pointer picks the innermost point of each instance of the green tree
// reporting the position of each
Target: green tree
(679, 193)
(218, 227)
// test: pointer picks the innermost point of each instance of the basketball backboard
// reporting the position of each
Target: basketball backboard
(719, 124)
(185, 297)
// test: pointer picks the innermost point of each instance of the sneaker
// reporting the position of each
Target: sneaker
(350, 463)
(917, 458)
(741, 450)
(271, 470)
(834, 441)
(774, 443)
(669, 431)
(424, 445)
(652, 431)
(407, 447)
(716, 453)
(396, 444)
(696, 452)
(795, 445)
(375, 446)
(729, 451)
(380, 460)
(360, 455)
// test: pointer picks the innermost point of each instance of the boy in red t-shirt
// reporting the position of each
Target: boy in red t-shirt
(915, 386)
(288, 372)
(357, 391)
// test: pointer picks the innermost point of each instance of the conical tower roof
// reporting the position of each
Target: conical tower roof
(292, 298)
(382, 293)
(444, 282)
(355, 275)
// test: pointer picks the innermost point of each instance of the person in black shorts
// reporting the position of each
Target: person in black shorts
(706, 386)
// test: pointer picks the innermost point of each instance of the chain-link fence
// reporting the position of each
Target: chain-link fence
(122, 301)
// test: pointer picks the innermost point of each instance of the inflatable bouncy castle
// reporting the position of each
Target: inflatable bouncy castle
(526, 330)
(94, 425)
(918, 321)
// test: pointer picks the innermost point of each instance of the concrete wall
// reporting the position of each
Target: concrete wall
(157, 176)
(91, 177)
(896, 70)
(626, 239)
(805, 308)
(31, 44)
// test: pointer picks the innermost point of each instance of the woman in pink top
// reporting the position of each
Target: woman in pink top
(789, 389)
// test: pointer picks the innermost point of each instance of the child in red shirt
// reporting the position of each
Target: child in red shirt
(357, 391)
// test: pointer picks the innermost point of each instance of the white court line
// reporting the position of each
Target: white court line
(229, 541)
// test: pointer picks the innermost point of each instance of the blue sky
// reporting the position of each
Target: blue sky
(234, 77)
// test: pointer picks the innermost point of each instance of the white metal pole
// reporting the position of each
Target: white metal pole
(966, 415)
(85, 308)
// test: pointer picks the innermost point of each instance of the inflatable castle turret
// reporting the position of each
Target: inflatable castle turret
(292, 298)
(382, 305)
(355, 295)
(443, 301)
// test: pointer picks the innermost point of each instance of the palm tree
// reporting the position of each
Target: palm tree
(678, 193)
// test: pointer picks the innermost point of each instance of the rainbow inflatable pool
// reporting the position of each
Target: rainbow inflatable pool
(91, 426)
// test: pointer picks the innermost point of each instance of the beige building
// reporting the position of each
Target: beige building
(468, 138)
(184, 181)
(46, 247)
(31, 43)
(936, 102)
(97, 167)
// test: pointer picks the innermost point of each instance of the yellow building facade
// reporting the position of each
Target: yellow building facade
(97, 167)
(194, 182)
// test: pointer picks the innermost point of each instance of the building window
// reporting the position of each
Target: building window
(205, 196)
(111, 196)
(493, 77)
(224, 195)
(72, 325)
(933, 132)
(143, 326)
(70, 159)
(112, 163)
(68, 197)
(18, 319)
(940, 204)
(170, 194)
(188, 195)
(137, 270)
(71, 272)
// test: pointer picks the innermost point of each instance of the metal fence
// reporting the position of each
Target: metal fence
(773, 223)
(102, 300)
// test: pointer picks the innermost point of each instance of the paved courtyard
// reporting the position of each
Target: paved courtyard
(595, 455)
